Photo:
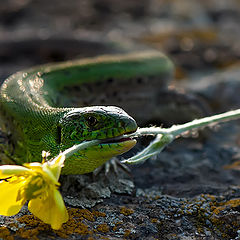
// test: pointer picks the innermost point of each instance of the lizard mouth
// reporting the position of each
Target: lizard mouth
(119, 139)
(120, 144)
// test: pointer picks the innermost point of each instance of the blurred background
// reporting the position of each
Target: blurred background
(200, 36)
(202, 39)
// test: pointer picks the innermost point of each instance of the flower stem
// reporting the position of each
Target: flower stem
(164, 136)
(70, 151)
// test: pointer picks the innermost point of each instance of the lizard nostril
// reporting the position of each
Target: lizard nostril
(121, 124)
(129, 125)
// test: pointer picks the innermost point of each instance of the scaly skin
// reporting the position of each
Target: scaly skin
(28, 112)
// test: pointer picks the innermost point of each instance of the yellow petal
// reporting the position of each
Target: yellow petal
(9, 170)
(55, 165)
(8, 196)
(36, 166)
(50, 210)
(49, 174)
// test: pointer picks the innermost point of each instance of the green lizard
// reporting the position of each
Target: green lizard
(29, 112)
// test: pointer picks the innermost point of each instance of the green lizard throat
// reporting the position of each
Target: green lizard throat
(29, 112)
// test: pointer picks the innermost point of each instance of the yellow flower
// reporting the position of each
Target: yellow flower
(38, 184)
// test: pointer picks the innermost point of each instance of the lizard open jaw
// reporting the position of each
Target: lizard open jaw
(126, 141)
(118, 139)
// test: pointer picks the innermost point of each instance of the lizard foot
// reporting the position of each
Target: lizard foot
(113, 164)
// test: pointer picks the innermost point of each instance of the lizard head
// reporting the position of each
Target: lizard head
(109, 124)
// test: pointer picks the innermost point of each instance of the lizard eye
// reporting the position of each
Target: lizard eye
(91, 121)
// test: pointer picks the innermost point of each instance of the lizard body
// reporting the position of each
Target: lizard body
(28, 110)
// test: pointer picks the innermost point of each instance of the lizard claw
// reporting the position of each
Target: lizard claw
(114, 164)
